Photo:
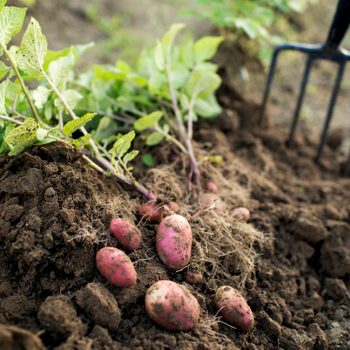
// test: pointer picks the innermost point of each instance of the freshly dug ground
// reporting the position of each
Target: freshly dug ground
(292, 261)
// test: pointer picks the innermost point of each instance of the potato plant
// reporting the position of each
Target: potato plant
(42, 100)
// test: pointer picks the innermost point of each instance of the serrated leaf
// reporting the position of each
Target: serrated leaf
(82, 141)
(11, 22)
(3, 69)
(3, 93)
(72, 97)
(205, 48)
(32, 51)
(40, 96)
(154, 138)
(130, 156)
(61, 70)
(149, 121)
(122, 145)
(22, 136)
(76, 124)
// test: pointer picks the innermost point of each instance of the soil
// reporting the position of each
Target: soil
(292, 261)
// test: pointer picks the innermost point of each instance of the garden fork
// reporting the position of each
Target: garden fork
(330, 51)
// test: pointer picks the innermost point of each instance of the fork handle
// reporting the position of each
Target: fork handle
(339, 25)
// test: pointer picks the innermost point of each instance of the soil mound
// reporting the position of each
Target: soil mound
(292, 261)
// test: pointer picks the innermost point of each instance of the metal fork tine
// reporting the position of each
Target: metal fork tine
(300, 99)
(269, 82)
(332, 102)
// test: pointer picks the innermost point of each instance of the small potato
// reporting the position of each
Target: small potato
(211, 201)
(241, 213)
(171, 208)
(174, 241)
(116, 267)
(193, 277)
(211, 186)
(126, 233)
(151, 212)
(172, 306)
(234, 308)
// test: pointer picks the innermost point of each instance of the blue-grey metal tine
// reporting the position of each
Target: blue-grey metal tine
(330, 51)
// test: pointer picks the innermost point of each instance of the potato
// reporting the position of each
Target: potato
(116, 267)
(234, 308)
(151, 212)
(126, 233)
(172, 306)
(174, 241)
(211, 186)
(241, 213)
(193, 277)
(171, 208)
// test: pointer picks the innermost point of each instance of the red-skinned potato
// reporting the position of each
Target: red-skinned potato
(174, 241)
(241, 213)
(171, 208)
(211, 186)
(151, 212)
(193, 277)
(172, 306)
(126, 234)
(234, 308)
(116, 267)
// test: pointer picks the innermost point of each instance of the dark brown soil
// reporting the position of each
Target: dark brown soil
(55, 213)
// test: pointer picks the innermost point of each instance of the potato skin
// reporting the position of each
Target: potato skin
(126, 233)
(211, 186)
(172, 306)
(241, 213)
(193, 277)
(174, 241)
(151, 212)
(234, 308)
(116, 267)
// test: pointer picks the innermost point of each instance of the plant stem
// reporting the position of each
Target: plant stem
(172, 139)
(185, 136)
(11, 120)
(23, 86)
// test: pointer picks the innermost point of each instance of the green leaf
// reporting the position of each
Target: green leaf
(82, 141)
(11, 22)
(2, 4)
(122, 145)
(130, 156)
(72, 97)
(40, 96)
(207, 108)
(32, 51)
(41, 134)
(202, 83)
(61, 70)
(159, 56)
(154, 138)
(22, 136)
(205, 48)
(123, 67)
(147, 160)
(187, 54)
(54, 55)
(149, 121)
(3, 69)
(3, 144)
(76, 124)
(169, 36)
(3, 93)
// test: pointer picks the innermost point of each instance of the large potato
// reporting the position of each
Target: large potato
(172, 306)
(174, 241)
(127, 234)
(234, 308)
(116, 267)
